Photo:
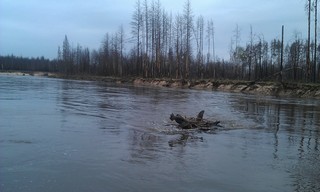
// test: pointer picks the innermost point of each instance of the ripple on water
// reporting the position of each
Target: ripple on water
(107, 137)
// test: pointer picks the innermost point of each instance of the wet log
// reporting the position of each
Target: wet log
(193, 123)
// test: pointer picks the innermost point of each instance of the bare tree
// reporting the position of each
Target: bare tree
(208, 40)
(308, 66)
(170, 44)
(281, 62)
(114, 53)
(315, 4)
(178, 45)
(105, 56)
(213, 41)
(153, 36)
(188, 20)
(295, 55)
(165, 45)
(121, 44)
(137, 25)
(59, 60)
(165, 41)
(199, 30)
(237, 39)
(250, 53)
(158, 34)
(146, 55)
(66, 56)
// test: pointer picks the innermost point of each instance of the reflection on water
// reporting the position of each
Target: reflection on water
(289, 113)
(299, 120)
(62, 135)
(183, 139)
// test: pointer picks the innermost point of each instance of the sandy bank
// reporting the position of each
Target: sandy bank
(27, 73)
(301, 90)
(264, 88)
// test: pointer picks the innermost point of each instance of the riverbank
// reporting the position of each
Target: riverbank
(289, 89)
(27, 73)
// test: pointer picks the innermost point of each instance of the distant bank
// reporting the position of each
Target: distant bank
(289, 89)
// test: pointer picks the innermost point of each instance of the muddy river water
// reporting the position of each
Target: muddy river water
(65, 135)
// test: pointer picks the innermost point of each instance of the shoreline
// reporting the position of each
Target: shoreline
(285, 89)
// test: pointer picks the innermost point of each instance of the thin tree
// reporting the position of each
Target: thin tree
(199, 39)
(237, 37)
(66, 55)
(165, 41)
(281, 61)
(153, 36)
(137, 24)
(121, 43)
(250, 52)
(146, 57)
(188, 27)
(105, 56)
(208, 40)
(308, 6)
(213, 41)
(178, 45)
(59, 60)
(158, 31)
(315, 40)
(170, 44)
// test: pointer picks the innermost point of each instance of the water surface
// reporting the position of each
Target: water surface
(64, 135)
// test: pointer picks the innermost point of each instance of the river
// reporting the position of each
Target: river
(65, 135)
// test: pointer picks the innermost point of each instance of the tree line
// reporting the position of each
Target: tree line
(182, 46)
(14, 63)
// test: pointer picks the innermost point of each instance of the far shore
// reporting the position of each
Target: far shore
(285, 89)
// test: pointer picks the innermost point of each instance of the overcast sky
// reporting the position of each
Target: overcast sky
(35, 28)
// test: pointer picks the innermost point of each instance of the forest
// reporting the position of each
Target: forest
(182, 46)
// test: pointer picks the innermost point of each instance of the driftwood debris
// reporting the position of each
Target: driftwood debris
(194, 123)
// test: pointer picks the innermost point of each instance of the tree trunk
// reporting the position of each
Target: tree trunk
(281, 61)
(315, 41)
(308, 44)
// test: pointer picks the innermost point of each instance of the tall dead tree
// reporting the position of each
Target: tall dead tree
(281, 61)
(66, 56)
(170, 44)
(178, 30)
(250, 52)
(199, 40)
(137, 24)
(315, 4)
(146, 54)
(165, 42)
(236, 51)
(296, 55)
(308, 66)
(188, 27)
(213, 41)
(153, 36)
(121, 48)
(210, 39)
(158, 31)
(237, 39)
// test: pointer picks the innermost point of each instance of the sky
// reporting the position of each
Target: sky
(34, 28)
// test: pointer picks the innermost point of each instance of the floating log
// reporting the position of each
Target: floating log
(194, 123)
